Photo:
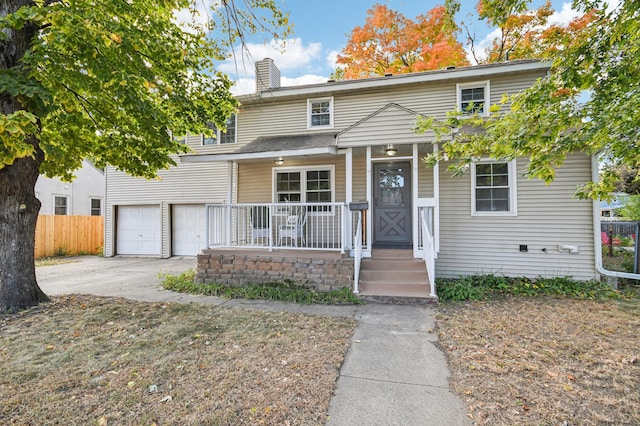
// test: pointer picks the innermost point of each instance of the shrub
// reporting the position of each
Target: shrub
(286, 291)
(483, 287)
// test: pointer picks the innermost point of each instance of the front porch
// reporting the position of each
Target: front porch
(321, 245)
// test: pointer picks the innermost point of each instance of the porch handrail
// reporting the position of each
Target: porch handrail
(428, 253)
(301, 226)
(357, 254)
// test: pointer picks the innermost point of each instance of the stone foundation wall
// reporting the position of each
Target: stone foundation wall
(324, 271)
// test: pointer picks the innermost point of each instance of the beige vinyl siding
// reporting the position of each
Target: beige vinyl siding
(255, 179)
(289, 115)
(359, 174)
(425, 173)
(199, 183)
(548, 216)
(390, 124)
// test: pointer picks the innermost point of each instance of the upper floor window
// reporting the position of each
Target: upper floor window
(320, 113)
(473, 98)
(60, 205)
(96, 207)
(222, 138)
(493, 187)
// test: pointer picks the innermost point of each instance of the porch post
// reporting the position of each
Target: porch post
(414, 198)
(371, 203)
(348, 164)
(229, 201)
(436, 208)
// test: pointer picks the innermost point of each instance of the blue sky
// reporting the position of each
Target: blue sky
(320, 30)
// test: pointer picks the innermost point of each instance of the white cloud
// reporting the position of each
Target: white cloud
(563, 16)
(303, 79)
(332, 58)
(244, 85)
(291, 55)
(196, 17)
(483, 45)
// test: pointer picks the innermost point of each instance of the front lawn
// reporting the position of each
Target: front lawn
(544, 360)
(88, 360)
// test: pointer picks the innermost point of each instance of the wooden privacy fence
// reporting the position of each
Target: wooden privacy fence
(62, 235)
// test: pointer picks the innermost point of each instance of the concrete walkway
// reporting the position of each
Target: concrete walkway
(393, 374)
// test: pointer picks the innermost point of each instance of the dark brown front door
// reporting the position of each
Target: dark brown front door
(392, 204)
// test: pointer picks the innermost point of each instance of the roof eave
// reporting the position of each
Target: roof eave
(205, 158)
(432, 76)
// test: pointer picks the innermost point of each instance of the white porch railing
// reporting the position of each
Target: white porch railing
(357, 250)
(302, 226)
(428, 245)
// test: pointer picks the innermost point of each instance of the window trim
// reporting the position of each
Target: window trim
(91, 206)
(309, 107)
(474, 84)
(303, 183)
(218, 137)
(66, 205)
(513, 190)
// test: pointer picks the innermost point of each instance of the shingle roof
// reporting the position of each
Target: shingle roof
(288, 143)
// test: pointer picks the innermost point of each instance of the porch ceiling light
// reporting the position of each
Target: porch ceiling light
(391, 150)
(279, 161)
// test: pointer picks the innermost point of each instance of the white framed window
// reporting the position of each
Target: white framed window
(180, 139)
(96, 207)
(310, 184)
(473, 97)
(320, 113)
(60, 205)
(222, 138)
(493, 188)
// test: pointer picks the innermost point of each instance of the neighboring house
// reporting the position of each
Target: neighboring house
(610, 210)
(324, 146)
(82, 197)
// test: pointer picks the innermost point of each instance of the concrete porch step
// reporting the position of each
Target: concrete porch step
(394, 276)
(399, 294)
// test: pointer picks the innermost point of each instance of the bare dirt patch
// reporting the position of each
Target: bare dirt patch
(545, 361)
(92, 360)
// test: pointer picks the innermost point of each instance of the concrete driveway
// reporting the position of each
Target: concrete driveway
(130, 277)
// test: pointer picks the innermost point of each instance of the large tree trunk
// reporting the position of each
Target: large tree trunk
(19, 209)
(19, 206)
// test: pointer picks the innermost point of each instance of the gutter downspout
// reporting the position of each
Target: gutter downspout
(596, 234)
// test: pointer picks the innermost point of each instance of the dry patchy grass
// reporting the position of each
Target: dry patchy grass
(545, 361)
(88, 360)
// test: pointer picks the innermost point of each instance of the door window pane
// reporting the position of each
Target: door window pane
(391, 187)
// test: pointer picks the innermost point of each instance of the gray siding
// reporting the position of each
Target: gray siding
(548, 216)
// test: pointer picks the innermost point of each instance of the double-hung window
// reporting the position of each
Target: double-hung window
(96, 207)
(473, 98)
(60, 205)
(222, 138)
(493, 188)
(313, 184)
(320, 113)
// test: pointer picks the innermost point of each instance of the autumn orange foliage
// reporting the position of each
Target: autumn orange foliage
(390, 43)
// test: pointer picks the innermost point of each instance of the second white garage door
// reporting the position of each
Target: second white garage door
(188, 229)
(138, 230)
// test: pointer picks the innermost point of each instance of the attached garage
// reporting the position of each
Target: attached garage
(188, 229)
(138, 230)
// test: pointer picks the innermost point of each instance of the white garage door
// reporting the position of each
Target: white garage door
(188, 229)
(138, 230)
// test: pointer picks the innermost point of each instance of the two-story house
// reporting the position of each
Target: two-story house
(280, 183)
